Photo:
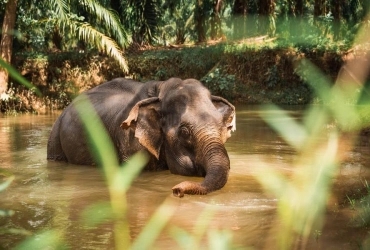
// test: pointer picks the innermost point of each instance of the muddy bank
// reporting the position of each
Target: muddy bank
(241, 73)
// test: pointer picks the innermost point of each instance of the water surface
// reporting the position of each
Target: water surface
(52, 195)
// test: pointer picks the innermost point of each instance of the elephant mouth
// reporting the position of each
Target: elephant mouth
(200, 171)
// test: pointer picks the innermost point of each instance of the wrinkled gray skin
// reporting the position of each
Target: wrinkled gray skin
(177, 121)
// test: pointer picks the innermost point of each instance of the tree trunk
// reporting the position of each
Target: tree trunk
(319, 8)
(216, 31)
(299, 8)
(336, 10)
(200, 21)
(6, 43)
(266, 10)
(296, 17)
(240, 11)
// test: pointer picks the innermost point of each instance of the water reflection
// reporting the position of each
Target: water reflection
(52, 195)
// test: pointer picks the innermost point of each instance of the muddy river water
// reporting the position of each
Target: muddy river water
(52, 195)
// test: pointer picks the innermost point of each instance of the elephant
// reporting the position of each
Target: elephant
(178, 122)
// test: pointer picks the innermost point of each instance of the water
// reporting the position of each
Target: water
(53, 195)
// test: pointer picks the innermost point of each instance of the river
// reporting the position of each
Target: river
(53, 195)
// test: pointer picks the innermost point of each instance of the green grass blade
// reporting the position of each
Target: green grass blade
(51, 239)
(16, 76)
(130, 170)
(153, 229)
(4, 213)
(6, 183)
(292, 132)
(102, 147)
(96, 214)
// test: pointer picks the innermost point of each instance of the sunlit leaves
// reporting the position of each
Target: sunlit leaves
(104, 43)
(96, 36)
(60, 7)
(302, 196)
(109, 19)
(318, 140)
(338, 99)
(287, 127)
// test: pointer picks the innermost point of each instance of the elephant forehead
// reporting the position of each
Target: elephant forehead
(202, 116)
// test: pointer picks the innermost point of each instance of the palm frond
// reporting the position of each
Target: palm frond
(104, 43)
(109, 18)
(60, 7)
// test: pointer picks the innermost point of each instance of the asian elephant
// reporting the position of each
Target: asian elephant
(181, 125)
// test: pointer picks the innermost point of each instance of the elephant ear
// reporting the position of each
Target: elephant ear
(144, 118)
(227, 110)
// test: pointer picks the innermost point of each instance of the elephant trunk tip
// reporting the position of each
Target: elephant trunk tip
(189, 187)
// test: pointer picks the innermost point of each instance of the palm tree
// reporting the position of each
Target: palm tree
(141, 17)
(108, 36)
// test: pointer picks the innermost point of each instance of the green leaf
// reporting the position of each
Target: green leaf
(51, 239)
(16, 76)
(292, 132)
(15, 231)
(102, 147)
(129, 171)
(153, 229)
(6, 183)
(5, 213)
(96, 214)
(109, 19)
(336, 98)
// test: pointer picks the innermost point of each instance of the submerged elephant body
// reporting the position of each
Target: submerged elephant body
(178, 122)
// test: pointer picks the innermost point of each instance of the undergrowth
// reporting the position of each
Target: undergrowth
(249, 72)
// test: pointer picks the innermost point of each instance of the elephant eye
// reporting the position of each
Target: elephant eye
(185, 135)
(184, 132)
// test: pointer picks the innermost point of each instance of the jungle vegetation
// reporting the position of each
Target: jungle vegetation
(48, 40)
(53, 31)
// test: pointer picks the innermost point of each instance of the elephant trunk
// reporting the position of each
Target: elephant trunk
(216, 164)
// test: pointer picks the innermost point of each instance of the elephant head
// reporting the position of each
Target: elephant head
(191, 126)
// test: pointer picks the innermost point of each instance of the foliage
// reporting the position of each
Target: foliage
(302, 197)
(220, 83)
(141, 18)
(177, 21)
(54, 23)
(263, 71)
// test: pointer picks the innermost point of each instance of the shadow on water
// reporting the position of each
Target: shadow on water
(52, 195)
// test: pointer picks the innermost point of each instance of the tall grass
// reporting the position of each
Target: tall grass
(302, 197)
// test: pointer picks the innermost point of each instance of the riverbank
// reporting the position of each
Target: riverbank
(246, 72)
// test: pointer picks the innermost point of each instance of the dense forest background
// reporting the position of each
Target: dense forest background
(241, 49)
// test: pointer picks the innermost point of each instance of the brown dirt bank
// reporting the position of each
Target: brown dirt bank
(241, 73)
